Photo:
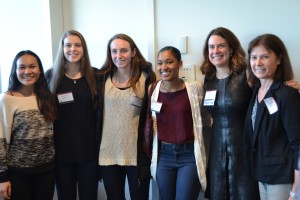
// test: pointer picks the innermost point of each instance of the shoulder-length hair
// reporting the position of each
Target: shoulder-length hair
(237, 61)
(284, 71)
(137, 62)
(45, 99)
(59, 66)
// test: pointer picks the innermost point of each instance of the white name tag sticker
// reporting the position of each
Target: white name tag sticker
(135, 101)
(65, 97)
(271, 105)
(156, 106)
(210, 97)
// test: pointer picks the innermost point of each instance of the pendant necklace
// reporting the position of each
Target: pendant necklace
(74, 78)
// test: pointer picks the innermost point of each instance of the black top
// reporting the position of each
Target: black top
(228, 176)
(75, 129)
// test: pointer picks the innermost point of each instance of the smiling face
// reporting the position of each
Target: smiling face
(263, 62)
(121, 53)
(73, 50)
(168, 66)
(28, 71)
(219, 51)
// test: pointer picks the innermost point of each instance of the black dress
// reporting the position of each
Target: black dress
(227, 175)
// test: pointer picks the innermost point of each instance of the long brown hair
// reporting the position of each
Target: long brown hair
(136, 62)
(86, 70)
(44, 98)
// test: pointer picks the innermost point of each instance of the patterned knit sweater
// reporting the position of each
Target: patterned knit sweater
(26, 140)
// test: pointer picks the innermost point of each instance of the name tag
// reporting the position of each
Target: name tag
(65, 98)
(135, 101)
(271, 105)
(156, 106)
(210, 97)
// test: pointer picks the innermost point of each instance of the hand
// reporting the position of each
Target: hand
(293, 84)
(290, 198)
(5, 190)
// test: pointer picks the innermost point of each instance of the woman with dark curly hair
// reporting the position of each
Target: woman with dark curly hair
(227, 96)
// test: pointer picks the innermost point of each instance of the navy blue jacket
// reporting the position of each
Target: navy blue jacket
(272, 150)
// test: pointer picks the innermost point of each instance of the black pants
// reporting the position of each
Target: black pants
(72, 176)
(114, 177)
(32, 186)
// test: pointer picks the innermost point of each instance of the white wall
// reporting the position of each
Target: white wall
(247, 19)
(99, 20)
(23, 25)
(154, 24)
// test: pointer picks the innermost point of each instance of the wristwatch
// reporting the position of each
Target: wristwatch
(293, 194)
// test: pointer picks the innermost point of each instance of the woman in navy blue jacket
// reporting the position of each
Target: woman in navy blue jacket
(272, 128)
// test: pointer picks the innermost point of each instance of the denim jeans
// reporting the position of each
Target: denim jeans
(177, 176)
(274, 192)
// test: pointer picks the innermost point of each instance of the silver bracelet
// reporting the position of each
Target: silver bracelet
(293, 194)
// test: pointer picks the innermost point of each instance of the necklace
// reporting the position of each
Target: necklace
(171, 89)
(74, 78)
